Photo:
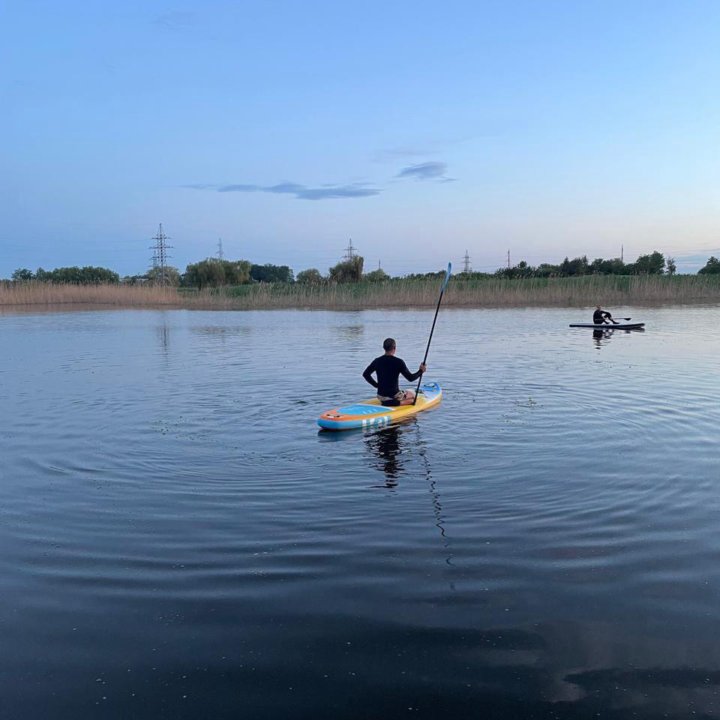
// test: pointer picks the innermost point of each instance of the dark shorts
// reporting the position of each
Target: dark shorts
(393, 401)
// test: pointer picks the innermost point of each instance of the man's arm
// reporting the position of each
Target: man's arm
(367, 374)
(412, 376)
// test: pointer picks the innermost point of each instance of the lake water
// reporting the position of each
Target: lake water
(179, 541)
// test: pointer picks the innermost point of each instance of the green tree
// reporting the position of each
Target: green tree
(170, 276)
(347, 270)
(206, 273)
(545, 270)
(608, 267)
(98, 275)
(671, 269)
(271, 273)
(74, 275)
(237, 272)
(712, 267)
(576, 266)
(378, 275)
(23, 275)
(523, 270)
(653, 264)
(311, 276)
(425, 276)
(215, 273)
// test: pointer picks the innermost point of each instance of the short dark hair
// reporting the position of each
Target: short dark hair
(389, 344)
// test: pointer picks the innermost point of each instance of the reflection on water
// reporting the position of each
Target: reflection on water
(163, 334)
(393, 452)
(385, 446)
(221, 333)
(602, 336)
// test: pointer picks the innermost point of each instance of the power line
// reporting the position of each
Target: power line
(466, 262)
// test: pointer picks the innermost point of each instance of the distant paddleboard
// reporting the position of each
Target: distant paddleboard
(370, 414)
(611, 326)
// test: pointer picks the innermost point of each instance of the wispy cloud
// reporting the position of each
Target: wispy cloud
(425, 171)
(435, 171)
(301, 192)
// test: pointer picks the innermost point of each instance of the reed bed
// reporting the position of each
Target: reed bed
(606, 290)
(48, 294)
(585, 291)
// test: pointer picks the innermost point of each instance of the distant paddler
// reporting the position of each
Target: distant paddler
(388, 369)
(602, 317)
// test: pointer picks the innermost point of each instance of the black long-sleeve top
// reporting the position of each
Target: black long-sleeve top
(599, 317)
(388, 369)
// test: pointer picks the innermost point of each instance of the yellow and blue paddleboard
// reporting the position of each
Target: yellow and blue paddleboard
(370, 414)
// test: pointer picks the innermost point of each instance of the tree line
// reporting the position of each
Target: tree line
(206, 273)
(213, 273)
(653, 264)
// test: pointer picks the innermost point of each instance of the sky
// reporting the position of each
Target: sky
(418, 130)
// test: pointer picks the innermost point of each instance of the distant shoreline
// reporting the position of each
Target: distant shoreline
(585, 291)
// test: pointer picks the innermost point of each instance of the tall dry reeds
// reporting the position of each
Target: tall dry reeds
(48, 294)
(607, 290)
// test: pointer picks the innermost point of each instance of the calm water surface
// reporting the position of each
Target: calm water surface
(179, 541)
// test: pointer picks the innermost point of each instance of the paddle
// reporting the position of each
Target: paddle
(432, 329)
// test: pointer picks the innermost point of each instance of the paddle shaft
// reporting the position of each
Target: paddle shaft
(432, 330)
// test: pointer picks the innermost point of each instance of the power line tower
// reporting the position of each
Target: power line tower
(160, 256)
(466, 262)
(220, 254)
(508, 259)
(350, 252)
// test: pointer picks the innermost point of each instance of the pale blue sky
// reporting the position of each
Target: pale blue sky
(418, 129)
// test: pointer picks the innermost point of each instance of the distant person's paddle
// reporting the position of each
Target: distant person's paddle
(432, 329)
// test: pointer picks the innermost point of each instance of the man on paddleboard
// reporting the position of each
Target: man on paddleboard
(602, 317)
(388, 369)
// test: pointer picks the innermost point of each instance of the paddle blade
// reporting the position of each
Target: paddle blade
(447, 278)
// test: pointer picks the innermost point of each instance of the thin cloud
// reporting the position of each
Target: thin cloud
(339, 191)
(234, 188)
(301, 192)
(424, 171)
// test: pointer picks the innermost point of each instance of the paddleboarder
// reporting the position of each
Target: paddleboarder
(388, 369)
(602, 317)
